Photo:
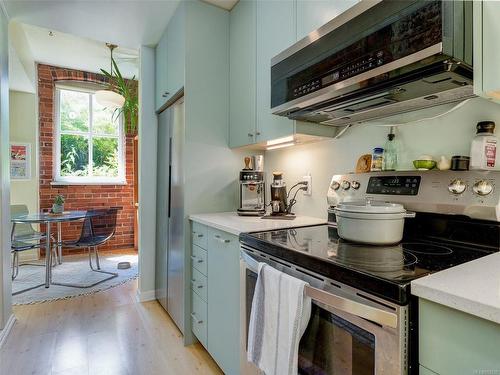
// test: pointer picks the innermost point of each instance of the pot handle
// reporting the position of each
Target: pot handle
(410, 214)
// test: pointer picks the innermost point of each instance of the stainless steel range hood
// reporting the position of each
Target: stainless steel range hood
(378, 59)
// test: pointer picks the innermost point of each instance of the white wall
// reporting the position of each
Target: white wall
(5, 276)
(148, 130)
(24, 129)
(447, 135)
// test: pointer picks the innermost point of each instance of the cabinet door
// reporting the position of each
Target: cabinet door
(311, 14)
(242, 74)
(161, 71)
(176, 47)
(486, 51)
(276, 31)
(223, 300)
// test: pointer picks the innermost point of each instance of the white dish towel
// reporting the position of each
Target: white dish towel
(280, 314)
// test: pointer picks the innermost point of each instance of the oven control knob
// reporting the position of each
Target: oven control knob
(355, 185)
(457, 186)
(482, 187)
(335, 185)
(346, 185)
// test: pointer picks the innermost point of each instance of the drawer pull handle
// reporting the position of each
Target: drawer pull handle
(197, 260)
(200, 235)
(193, 315)
(165, 94)
(220, 239)
(198, 286)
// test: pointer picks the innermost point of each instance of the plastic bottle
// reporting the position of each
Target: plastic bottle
(484, 154)
(391, 149)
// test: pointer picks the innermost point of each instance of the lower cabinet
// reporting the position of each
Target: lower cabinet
(453, 342)
(215, 296)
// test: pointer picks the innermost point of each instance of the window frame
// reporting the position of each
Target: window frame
(85, 180)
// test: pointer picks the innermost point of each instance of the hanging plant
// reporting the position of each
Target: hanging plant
(126, 88)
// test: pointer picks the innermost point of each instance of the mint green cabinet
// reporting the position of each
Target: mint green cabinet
(170, 58)
(486, 29)
(176, 51)
(311, 14)
(453, 342)
(223, 300)
(215, 294)
(276, 31)
(242, 95)
(161, 71)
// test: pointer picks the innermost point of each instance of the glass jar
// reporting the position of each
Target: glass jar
(377, 159)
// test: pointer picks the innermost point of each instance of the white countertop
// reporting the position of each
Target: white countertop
(472, 287)
(232, 223)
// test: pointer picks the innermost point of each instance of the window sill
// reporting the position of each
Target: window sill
(83, 183)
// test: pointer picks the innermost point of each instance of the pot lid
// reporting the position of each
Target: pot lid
(371, 207)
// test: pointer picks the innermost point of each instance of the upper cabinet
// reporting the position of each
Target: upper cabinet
(486, 52)
(276, 25)
(259, 30)
(170, 58)
(242, 52)
(312, 14)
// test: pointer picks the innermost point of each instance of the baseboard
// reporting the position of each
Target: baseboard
(148, 295)
(4, 333)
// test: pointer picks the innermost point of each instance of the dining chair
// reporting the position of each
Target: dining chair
(23, 238)
(98, 227)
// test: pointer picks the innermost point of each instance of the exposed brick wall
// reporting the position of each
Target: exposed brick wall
(81, 197)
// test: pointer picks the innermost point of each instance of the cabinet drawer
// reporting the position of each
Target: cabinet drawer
(220, 239)
(199, 259)
(199, 235)
(199, 283)
(199, 318)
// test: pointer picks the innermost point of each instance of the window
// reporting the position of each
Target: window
(89, 146)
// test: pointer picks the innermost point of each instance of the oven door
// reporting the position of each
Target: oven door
(338, 339)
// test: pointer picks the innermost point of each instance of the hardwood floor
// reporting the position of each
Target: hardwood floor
(104, 333)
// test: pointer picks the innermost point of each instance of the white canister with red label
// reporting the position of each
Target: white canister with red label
(484, 153)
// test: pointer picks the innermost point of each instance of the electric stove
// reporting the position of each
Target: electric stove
(455, 223)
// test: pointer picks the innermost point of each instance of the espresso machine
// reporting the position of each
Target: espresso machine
(252, 189)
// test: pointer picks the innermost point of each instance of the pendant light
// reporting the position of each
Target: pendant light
(109, 98)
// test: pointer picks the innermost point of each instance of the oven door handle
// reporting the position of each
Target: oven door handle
(346, 305)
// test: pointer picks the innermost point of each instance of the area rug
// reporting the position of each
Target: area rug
(75, 270)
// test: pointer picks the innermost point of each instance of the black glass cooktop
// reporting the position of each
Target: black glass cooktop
(382, 270)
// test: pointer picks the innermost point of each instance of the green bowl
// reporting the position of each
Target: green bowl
(424, 165)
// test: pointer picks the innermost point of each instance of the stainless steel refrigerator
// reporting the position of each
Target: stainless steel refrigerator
(170, 213)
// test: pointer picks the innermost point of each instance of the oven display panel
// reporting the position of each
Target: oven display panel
(394, 185)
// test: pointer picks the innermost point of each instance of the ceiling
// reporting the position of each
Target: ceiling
(73, 33)
(66, 50)
(129, 24)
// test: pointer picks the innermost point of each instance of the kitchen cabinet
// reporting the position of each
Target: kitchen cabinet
(223, 299)
(276, 25)
(312, 14)
(215, 294)
(453, 342)
(161, 71)
(259, 30)
(486, 29)
(242, 94)
(170, 58)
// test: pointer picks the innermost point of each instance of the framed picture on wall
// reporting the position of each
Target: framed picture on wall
(20, 161)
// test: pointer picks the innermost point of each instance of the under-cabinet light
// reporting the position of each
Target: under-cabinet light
(281, 145)
(278, 141)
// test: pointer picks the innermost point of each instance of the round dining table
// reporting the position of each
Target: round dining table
(48, 219)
